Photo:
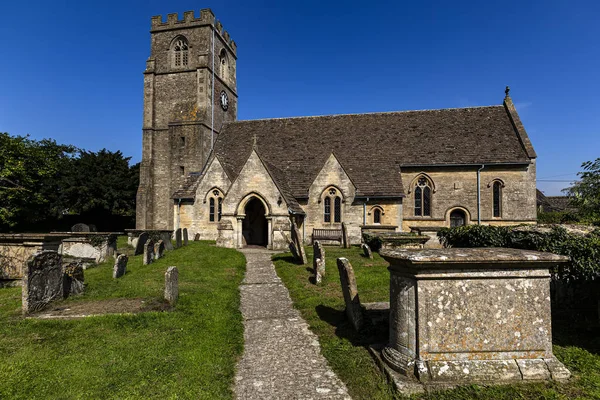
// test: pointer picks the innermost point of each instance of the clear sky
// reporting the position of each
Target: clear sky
(72, 70)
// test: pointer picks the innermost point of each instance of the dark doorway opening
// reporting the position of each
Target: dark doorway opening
(254, 225)
(457, 218)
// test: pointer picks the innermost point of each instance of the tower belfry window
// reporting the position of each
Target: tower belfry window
(180, 53)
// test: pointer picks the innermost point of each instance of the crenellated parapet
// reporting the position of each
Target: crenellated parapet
(189, 20)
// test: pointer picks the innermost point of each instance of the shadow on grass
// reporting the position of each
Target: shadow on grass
(283, 257)
(369, 334)
(570, 329)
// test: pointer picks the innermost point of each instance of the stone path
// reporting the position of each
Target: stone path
(282, 357)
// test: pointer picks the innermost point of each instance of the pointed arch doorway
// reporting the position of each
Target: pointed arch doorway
(254, 224)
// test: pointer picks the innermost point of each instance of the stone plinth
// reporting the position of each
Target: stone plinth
(471, 315)
(159, 234)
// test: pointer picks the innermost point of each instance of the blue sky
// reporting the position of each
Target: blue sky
(72, 70)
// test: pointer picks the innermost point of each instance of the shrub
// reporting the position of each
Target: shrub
(584, 251)
(373, 241)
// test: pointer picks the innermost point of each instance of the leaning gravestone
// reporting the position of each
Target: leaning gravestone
(120, 266)
(178, 238)
(42, 280)
(318, 261)
(148, 252)
(80, 228)
(196, 237)
(291, 246)
(367, 251)
(159, 249)
(350, 291)
(73, 281)
(172, 285)
(297, 240)
(185, 236)
(139, 247)
(345, 240)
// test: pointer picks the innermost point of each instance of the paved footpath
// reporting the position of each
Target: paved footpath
(282, 357)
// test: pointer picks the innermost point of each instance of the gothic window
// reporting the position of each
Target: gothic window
(377, 216)
(180, 52)
(423, 197)
(327, 211)
(223, 65)
(215, 206)
(457, 218)
(332, 195)
(497, 199)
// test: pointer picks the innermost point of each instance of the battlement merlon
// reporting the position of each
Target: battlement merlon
(207, 17)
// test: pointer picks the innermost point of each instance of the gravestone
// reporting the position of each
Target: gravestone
(196, 237)
(80, 228)
(172, 285)
(120, 266)
(159, 249)
(297, 240)
(148, 252)
(42, 280)
(345, 240)
(318, 261)
(291, 246)
(73, 281)
(350, 292)
(178, 238)
(93, 228)
(139, 247)
(185, 236)
(367, 251)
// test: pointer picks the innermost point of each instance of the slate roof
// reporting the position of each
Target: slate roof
(373, 147)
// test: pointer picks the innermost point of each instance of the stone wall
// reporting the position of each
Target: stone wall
(15, 250)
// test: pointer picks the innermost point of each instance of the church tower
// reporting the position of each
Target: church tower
(189, 93)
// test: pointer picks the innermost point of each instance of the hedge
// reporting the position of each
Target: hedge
(584, 250)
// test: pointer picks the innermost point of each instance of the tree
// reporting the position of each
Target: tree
(29, 175)
(101, 183)
(585, 193)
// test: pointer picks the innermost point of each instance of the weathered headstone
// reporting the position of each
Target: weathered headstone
(178, 238)
(120, 266)
(93, 228)
(291, 246)
(297, 239)
(159, 249)
(148, 252)
(367, 251)
(345, 240)
(42, 280)
(318, 261)
(185, 236)
(80, 228)
(166, 237)
(350, 292)
(139, 247)
(73, 281)
(196, 237)
(172, 285)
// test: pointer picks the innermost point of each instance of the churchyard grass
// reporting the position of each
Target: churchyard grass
(346, 352)
(190, 352)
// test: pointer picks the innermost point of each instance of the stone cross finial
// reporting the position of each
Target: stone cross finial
(506, 91)
(254, 141)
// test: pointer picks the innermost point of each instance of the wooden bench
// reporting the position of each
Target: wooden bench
(327, 234)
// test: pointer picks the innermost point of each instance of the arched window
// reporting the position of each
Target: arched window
(180, 52)
(497, 199)
(327, 211)
(457, 218)
(223, 65)
(338, 209)
(215, 206)
(423, 197)
(332, 195)
(377, 216)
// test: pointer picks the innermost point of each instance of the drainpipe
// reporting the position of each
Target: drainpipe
(178, 213)
(365, 211)
(479, 194)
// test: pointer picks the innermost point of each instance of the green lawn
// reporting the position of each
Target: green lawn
(188, 353)
(345, 350)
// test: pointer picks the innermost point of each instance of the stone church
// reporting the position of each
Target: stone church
(243, 182)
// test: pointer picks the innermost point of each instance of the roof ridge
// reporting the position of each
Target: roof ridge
(367, 113)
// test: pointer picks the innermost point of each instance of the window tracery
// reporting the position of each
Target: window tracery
(423, 197)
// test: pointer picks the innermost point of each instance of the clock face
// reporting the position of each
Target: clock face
(224, 100)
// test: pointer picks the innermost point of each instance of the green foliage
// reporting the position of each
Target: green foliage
(373, 241)
(584, 251)
(585, 193)
(187, 353)
(558, 217)
(29, 178)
